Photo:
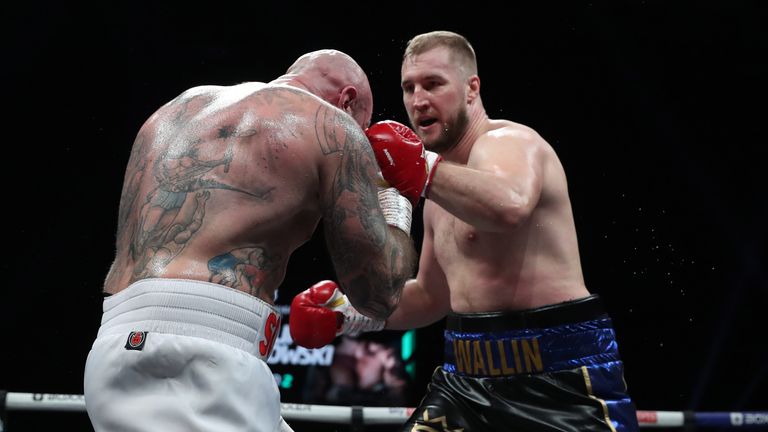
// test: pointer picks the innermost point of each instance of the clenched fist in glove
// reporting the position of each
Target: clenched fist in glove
(404, 163)
(323, 312)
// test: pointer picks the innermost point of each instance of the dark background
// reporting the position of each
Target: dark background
(655, 108)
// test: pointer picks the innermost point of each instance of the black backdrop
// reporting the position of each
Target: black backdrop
(655, 108)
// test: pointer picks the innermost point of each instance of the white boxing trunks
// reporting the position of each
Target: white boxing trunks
(182, 355)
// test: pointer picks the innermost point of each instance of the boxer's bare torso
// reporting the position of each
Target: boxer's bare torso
(535, 264)
(224, 183)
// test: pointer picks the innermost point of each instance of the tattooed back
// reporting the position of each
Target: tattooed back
(222, 184)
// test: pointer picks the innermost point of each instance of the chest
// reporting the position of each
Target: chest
(453, 238)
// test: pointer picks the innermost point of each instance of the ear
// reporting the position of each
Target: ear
(473, 87)
(346, 96)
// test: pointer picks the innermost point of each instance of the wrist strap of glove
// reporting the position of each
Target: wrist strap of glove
(397, 209)
(356, 323)
(432, 160)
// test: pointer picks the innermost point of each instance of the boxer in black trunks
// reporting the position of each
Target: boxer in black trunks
(528, 348)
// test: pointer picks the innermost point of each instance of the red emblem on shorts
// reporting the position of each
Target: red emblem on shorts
(271, 329)
(136, 340)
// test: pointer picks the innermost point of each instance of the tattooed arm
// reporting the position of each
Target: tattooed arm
(372, 259)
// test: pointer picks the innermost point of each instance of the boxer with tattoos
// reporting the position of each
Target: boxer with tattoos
(222, 185)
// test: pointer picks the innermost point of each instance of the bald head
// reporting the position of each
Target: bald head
(336, 78)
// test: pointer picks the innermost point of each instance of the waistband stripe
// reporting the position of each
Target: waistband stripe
(568, 312)
(191, 308)
(579, 333)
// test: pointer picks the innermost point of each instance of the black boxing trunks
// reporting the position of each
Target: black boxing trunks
(554, 368)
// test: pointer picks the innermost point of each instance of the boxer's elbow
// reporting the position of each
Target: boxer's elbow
(515, 212)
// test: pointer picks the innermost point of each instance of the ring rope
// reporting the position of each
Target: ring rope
(395, 415)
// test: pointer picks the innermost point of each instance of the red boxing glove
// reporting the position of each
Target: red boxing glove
(323, 312)
(400, 155)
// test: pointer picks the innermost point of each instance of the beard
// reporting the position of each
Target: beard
(450, 133)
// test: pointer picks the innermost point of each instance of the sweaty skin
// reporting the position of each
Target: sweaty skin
(224, 183)
(499, 232)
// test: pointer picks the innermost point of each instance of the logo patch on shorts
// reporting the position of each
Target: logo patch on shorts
(136, 340)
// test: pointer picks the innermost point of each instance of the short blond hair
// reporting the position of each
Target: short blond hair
(459, 47)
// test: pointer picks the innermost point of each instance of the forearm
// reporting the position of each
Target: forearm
(480, 198)
(417, 308)
(376, 291)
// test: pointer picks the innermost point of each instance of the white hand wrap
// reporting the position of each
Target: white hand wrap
(396, 208)
(356, 323)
